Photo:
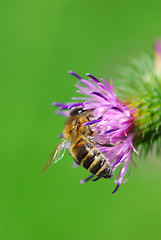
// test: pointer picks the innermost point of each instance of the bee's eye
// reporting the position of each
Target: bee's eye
(80, 111)
(76, 111)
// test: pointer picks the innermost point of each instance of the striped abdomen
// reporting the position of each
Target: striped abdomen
(90, 158)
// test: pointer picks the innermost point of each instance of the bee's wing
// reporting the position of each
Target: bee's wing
(56, 155)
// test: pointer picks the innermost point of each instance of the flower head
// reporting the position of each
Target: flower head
(112, 121)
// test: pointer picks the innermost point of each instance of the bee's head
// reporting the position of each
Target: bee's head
(74, 124)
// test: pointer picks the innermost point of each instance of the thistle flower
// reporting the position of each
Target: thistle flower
(132, 118)
(112, 122)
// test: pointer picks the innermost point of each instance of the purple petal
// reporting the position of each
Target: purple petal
(64, 107)
(99, 95)
(118, 185)
(75, 105)
(58, 104)
(111, 130)
(116, 108)
(87, 179)
(105, 82)
(74, 74)
(79, 98)
(108, 87)
(94, 78)
(118, 160)
(92, 122)
(133, 110)
(88, 84)
(95, 179)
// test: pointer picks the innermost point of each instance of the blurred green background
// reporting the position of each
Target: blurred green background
(40, 41)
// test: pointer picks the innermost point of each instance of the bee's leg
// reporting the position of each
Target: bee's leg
(91, 138)
(87, 179)
(107, 145)
(110, 144)
(97, 178)
(90, 130)
(88, 118)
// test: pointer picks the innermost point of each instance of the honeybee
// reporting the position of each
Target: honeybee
(81, 146)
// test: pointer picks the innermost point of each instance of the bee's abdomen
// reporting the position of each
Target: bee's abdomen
(105, 171)
(80, 150)
(88, 161)
(98, 164)
(90, 158)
